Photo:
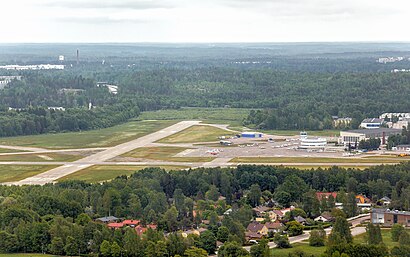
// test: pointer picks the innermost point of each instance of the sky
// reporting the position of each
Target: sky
(32, 21)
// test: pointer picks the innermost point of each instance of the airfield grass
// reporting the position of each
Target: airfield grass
(100, 173)
(164, 153)
(88, 139)
(49, 157)
(10, 173)
(230, 116)
(196, 134)
(5, 150)
(308, 160)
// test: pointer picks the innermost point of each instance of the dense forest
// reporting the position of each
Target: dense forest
(60, 218)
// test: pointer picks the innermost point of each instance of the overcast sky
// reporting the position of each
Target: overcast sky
(204, 20)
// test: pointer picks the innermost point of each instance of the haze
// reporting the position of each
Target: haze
(204, 21)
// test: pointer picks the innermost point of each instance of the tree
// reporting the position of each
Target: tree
(57, 246)
(208, 241)
(261, 249)
(195, 252)
(105, 248)
(115, 250)
(404, 238)
(374, 235)
(8, 242)
(281, 241)
(71, 246)
(223, 233)
(170, 218)
(132, 242)
(232, 249)
(212, 193)
(254, 195)
(294, 228)
(342, 230)
(395, 231)
(175, 244)
(317, 237)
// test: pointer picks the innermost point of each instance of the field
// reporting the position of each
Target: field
(386, 234)
(94, 138)
(5, 150)
(27, 255)
(302, 246)
(164, 154)
(196, 134)
(10, 173)
(322, 133)
(231, 116)
(49, 157)
(308, 160)
(102, 173)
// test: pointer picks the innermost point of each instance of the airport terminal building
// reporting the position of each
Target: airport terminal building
(353, 137)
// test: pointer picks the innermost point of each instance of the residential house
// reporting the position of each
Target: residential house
(300, 219)
(325, 195)
(362, 199)
(385, 201)
(257, 227)
(107, 219)
(274, 227)
(325, 217)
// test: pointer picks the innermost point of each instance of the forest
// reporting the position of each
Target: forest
(61, 218)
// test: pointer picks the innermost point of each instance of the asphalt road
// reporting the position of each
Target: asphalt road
(100, 157)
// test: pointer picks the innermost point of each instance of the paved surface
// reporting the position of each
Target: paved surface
(22, 148)
(59, 172)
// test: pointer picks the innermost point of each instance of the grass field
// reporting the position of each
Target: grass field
(308, 160)
(164, 154)
(196, 134)
(302, 246)
(49, 157)
(10, 173)
(107, 172)
(93, 138)
(231, 116)
(5, 150)
(386, 235)
(27, 255)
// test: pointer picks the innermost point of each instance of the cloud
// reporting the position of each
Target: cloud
(110, 4)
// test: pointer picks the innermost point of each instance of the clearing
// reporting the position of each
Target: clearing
(10, 173)
(88, 139)
(100, 173)
(44, 157)
(196, 134)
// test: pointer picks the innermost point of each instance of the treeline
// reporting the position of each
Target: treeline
(58, 218)
(39, 120)
(402, 139)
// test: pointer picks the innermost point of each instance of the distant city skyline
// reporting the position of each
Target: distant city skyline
(104, 21)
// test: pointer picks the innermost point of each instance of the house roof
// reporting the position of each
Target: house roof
(140, 230)
(376, 132)
(253, 235)
(115, 225)
(131, 222)
(327, 215)
(385, 199)
(255, 226)
(279, 213)
(372, 120)
(107, 219)
(273, 225)
(300, 219)
(261, 209)
(326, 195)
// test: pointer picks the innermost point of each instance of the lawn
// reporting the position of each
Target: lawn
(302, 246)
(10, 173)
(231, 116)
(386, 235)
(196, 134)
(5, 150)
(165, 153)
(308, 160)
(32, 157)
(107, 172)
(94, 138)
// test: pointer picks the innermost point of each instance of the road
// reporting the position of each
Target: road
(59, 172)
(355, 230)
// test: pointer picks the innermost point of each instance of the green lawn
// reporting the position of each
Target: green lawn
(88, 139)
(307, 160)
(302, 246)
(107, 172)
(49, 157)
(231, 116)
(196, 134)
(386, 234)
(11, 173)
(165, 153)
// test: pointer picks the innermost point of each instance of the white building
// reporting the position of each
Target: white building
(391, 115)
(34, 67)
(311, 142)
(353, 137)
(372, 123)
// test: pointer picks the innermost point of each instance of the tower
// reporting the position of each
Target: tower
(78, 56)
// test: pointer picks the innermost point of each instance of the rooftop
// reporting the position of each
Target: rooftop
(375, 132)
(372, 120)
